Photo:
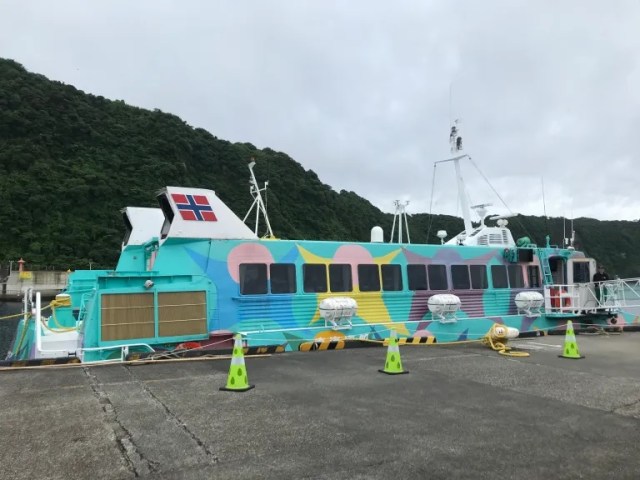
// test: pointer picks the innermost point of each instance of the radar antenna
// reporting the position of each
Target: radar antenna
(258, 203)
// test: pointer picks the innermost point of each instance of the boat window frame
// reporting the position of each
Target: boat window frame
(396, 277)
(439, 273)
(456, 276)
(484, 279)
(517, 279)
(530, 277)
(318, 287)
(366, 271)
(290, 280)
(503, 269)
(261, 279)
(346, 280)
(413, 268)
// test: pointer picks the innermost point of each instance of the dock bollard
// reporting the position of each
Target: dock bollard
(393, 364)
(237, 381)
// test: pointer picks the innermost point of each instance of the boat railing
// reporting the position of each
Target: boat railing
(561, 299)
(599, 297)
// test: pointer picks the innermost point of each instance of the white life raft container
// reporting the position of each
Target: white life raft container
(529, 303)
(338, 311)
(444, 306)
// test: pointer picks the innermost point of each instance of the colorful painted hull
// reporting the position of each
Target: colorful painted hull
(193, 293)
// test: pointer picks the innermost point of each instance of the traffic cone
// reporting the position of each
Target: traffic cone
(237, 380)
(393, 365)
(570, 346)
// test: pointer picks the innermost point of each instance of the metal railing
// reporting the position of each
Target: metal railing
(599, 297)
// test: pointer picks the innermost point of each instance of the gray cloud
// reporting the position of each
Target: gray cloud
(359, 91)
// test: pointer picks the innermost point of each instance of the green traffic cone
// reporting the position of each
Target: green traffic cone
(237, 380)
(393, 365)
(570, 349)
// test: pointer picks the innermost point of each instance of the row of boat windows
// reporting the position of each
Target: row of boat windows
(337, 278)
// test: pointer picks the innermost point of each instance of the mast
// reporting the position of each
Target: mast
(401, 215)
(255, 191)
(455, 139)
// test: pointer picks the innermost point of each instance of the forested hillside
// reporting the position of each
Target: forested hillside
(69, 161)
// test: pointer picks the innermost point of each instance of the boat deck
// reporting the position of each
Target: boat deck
(463, 412)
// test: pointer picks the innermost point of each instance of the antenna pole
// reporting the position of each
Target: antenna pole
(258, 202)
(544, 204)
(401, 215)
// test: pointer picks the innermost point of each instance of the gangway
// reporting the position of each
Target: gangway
(609, 297)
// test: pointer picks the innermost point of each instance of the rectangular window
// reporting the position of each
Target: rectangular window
(499, 276)
(391, 278)
(253, 278)
(283, 277)
(460, 277)
(437, 277)
(340, 278)
(581, 272)
(479, 277)
(314, 277)
(417, 275)
(533, 273)
(516, 278)
(369, 278)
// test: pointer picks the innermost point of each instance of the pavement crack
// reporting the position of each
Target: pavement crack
(173, 417)
(134, 460)
(625, 406)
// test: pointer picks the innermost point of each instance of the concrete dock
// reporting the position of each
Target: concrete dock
(463, 412)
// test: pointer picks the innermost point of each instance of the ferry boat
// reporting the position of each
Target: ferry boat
(192, 274)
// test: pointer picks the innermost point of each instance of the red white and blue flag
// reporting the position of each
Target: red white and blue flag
(194, 207)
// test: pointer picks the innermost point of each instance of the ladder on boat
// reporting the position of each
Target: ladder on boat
(544, 264)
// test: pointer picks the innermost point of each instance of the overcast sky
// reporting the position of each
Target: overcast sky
(363, 92)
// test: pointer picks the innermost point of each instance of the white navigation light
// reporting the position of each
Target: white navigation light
(442, 234)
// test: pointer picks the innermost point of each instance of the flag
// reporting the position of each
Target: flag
(194, 207)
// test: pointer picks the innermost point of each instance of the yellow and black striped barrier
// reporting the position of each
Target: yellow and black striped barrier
(326, 344)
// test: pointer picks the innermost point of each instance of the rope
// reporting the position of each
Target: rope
(491, 340)
(15, 315)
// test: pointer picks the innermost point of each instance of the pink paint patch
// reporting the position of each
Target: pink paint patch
(352, 255)
(422, 333)
(247, 253)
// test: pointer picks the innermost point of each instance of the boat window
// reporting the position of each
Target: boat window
(340, 278)
(516, 278)
(369, 278)
(581, 272)
(283, 277)
(460, 277)
(391, 278)
(253, 278)
(499, 276)
(417, 275)
(479, 277)
(314, 277)
(437, 277)
(533, 272)
(556, 264)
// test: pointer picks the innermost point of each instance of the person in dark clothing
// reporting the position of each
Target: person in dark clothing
(598, 278)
